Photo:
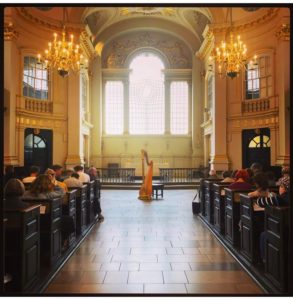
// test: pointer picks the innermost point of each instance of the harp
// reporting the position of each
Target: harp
(145, 192)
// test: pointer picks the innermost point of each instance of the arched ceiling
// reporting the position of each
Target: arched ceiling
(103, 23)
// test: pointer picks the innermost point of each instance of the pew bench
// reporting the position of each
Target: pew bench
(22, 247)
(50, 228)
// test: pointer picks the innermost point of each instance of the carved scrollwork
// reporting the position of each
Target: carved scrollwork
(9, 32)
(284, 32)
(117, 51)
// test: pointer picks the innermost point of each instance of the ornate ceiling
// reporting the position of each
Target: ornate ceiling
(106, 23)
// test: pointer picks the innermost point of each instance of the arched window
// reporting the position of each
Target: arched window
(34, 141)
(260, 141)
(35, 79)
(146, 95)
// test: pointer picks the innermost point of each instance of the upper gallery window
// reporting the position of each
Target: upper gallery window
(35, 79)
(146, 95)
(258, 81)
(114, 107)
(179, 107)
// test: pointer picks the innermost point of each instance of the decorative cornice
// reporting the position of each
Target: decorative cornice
(52, 25)
(9, 32)
(206, 44)
(271, 13)
(86, 45)
(283, 32)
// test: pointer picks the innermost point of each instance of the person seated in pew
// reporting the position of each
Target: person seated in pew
(93, 173)
(13, 192)
(83, 177)
(262, 186)
(43, 188)
(9, 173)
(73, 181)
(256, 168)
(241, 181)
(277, 200)
(227, 177)
(285, 173)
(58, 172)
(51, 172)
(213, 174)
(34, 172)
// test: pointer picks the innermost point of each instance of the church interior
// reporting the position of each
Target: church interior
(160, 103)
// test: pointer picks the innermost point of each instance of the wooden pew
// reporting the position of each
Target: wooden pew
(69, 209)
(252, 224)
(22, 247)
(202, 194)
(209, 199)
(232, 215)
(81, 212)
(276, 246)
(90, 215)
(50, 224)
(219, 206)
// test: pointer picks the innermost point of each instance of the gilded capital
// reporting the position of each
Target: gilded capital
(9, 32)
(283, 32)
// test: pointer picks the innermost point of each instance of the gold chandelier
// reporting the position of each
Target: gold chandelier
(231, 55)
(63, 54)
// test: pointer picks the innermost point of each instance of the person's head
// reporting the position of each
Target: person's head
(284, 185)
(34, 171)
(58, 170)
(69, 171)
(51, 173)
(250, 172)
(14, 188)
(242, 174)
(212, 172)
(92, 171)
(226, 174)
(75, 175)
(78, 168)
(9, 169)
(261, 181)
(256, 167)
(42, 184)
(286, 171)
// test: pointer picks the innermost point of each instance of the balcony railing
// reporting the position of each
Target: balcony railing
(116, 175)
(42, 106)
(256, 105)
(180, 174)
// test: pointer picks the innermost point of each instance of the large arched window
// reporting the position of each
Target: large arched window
(146, 95)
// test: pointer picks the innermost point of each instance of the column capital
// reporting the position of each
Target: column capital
(10, 33)
(283, 32)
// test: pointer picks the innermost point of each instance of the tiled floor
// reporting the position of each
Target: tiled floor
(151, 247)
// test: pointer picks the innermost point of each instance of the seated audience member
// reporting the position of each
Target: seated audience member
(68, 173)
(34, 172)
(58, 172)
(83, 177)
(241, 183)
(273, 200)
(93, 173)
(262, 186)
(256, 168)
(43, 188)
(213, 174)
(227, 177)
(56, 182)
(271, 178)
(285, 173)
(73, 181)
(234, 174)
(9, 173)
(13, 191)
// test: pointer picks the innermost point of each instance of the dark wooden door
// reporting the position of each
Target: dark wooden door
(38, 144)
(256, 147)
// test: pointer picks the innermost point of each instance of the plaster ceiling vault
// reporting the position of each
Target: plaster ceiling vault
(104, 24)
